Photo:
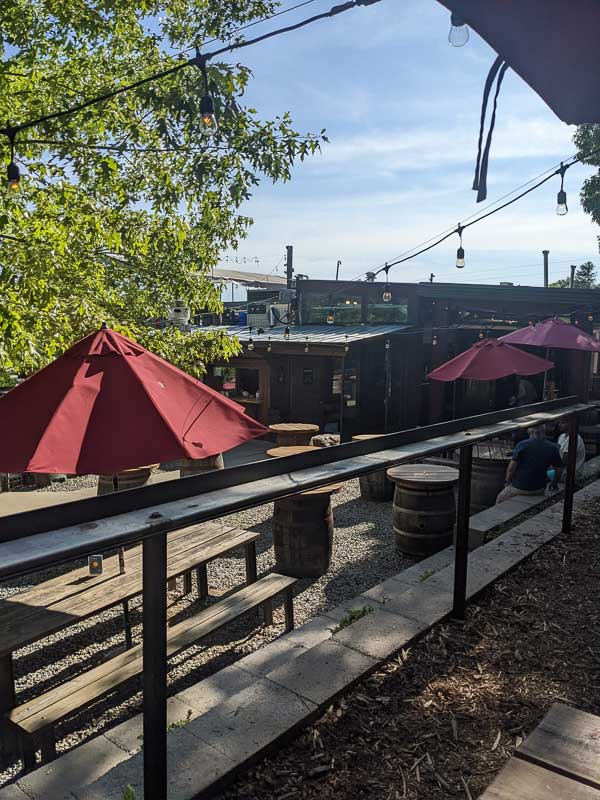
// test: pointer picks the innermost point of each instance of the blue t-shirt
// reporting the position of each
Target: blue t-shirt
(534, 457)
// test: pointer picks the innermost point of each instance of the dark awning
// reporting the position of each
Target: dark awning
(554, 45)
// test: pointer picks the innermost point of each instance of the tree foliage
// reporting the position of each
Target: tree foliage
(124, 206)
(585, 278)
(587, 139)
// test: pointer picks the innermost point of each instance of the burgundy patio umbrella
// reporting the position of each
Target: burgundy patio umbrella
(108, 405)
(553, 333)
(488, 360)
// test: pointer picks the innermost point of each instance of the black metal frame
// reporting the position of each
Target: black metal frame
(86, 517)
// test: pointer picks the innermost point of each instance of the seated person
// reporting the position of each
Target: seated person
(530, 461)
(563, 446)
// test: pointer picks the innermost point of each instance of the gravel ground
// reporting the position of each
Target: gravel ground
(364, 554)
(441, 719)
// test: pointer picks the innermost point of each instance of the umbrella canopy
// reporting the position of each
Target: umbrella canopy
(107, 405)
(552, 45)
(554, 333)
(488, 360)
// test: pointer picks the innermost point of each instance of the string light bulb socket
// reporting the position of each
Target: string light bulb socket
(387, 292)
(561, 197)
(460, 253)
(210, 126)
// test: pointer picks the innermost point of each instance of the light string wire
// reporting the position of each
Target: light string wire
(195, 61)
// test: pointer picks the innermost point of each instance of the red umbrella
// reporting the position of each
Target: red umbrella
(490, 359)
(554, 333)
(107, 405)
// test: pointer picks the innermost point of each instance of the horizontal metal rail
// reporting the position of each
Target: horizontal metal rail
(206, 497)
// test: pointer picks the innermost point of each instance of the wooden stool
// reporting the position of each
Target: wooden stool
(375, 485)
(303, 526)
(424, 507)
(293, 433)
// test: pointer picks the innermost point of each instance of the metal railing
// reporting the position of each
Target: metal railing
(27, 543)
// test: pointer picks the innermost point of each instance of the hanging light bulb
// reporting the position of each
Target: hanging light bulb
(481, 334)
(210, 125)
(561, 197)
(460, 253)
(250, 343)
(590, 317)
(13, 174)
(269, 348)
(286, 333)
(387, 292)
(387, 344)
(346, 346)
(434, 341)
(459, 31)
(306, 344)
(330, 316)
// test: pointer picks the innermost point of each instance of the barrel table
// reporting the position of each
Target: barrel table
(290, 434)
(303, 526)
(198, 466)
(375, 485)
(424, 511)
(128, 479)
(490, 462)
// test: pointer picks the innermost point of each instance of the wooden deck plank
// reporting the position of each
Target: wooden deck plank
(25, 625)
(520, 780)
(566, 741)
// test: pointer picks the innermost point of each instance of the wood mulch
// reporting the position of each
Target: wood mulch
(441, 719)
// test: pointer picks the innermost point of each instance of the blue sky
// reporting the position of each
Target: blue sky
(401, 108)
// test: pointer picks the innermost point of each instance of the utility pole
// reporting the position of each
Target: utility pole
(431, 277)
(289, 265)
(545, 253)
(337, 270)
(572, 280)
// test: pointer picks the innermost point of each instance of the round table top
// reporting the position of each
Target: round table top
(362, 437)
(291, 450)
(291, 427)
(436, 474)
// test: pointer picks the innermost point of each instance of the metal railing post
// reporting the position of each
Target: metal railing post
(570, 476)
(462, 531)
(155, 666)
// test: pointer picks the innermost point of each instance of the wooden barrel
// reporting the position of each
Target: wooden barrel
(197, 466)
(424, 511)
(128, 479)
(303, 533)
(487, 480)
(375, 485)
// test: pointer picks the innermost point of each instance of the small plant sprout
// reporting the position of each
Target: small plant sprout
(352, 616)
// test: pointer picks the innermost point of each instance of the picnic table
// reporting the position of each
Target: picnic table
(67, 599)
(559, 759)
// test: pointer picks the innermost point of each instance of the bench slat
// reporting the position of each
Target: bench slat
(93, 684)
(520, 780)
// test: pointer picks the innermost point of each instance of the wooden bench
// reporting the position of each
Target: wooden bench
(559, 759)
(35, 719)
(56, 604)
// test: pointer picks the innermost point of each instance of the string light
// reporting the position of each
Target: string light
(387, 292)
(460, 253)
(481, 334)
(306, 345)
(330, 316)
(250, 344)
(269, 348)
(346, 346)
(13, 175)
(210, 125)
(387, 344)
(459, 31)
(286, 333)
(434, 341)
(561, 197)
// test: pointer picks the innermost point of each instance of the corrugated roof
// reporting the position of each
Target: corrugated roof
(244, 278)
(315, 334)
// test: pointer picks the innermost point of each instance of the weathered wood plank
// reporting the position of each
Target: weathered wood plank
(520, 780)
(24, 625)
(566, 741)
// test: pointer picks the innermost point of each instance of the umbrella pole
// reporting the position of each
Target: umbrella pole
(453, 399)
(545, 376)
(115, 483)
